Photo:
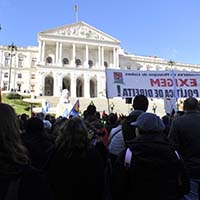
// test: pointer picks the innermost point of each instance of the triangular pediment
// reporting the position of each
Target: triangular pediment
(80, 30)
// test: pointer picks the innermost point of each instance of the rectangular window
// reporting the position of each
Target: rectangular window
(32, 88)
(6, 62)
(6, 75)
(20, 62)
(19, 75)
(33, 62)
(32, 76)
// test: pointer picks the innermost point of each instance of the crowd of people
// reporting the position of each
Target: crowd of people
(101, 157)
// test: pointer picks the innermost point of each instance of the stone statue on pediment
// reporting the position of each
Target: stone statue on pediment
(81, 31)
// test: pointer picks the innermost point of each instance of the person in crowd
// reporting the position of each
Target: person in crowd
(154, 107)
(38, 142)
(116, 141)
(140, 105)
(24, 117)
(56, 126)
(124, 133)
(97, 133)
(167, 122)
(112, 122)
(184, 132)
(76, 168)
(92, 117)
(18, 180)
(150, 167)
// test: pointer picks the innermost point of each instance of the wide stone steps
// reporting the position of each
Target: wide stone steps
(102, 104)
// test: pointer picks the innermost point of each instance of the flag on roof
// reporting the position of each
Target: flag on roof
(75, 8)
(75, 109)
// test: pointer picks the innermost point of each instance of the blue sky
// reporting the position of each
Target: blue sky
(168, 29)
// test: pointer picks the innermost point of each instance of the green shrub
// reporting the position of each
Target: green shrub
(13, 95)
(27, 108)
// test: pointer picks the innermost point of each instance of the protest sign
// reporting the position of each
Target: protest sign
(153, 84)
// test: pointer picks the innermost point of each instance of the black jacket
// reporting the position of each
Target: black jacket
(153, 172)
(39, 146)
(79, 175)
(185, 133)
(32, 184)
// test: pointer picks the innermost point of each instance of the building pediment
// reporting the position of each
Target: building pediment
(80, 30)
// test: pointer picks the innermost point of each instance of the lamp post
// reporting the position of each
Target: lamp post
(171, 63)
(12, 49)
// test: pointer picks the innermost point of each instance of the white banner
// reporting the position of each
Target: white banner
(153, 84)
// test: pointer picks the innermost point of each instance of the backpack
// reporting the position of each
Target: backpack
(113, 135)
(183, 181)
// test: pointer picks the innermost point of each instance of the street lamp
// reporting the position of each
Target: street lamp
(12, 49)
(171, 63)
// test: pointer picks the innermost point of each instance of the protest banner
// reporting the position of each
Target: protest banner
(153, 84)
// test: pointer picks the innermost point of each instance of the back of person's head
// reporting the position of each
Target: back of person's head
(112, 118)
(91, 109)
(191, 104)
(85, 114)
(149, 123)
(24, 116)
(40, 115)
(128, 130)
(34, 125)
(11, 149)
(73, 135)
(140, 102)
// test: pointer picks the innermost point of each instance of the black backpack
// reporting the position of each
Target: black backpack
(183, 181)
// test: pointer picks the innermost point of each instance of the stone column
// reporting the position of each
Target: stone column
(57, 53)
(57, 84)
(73, 86)
(86, 87)
(60, 54)
(102, 56)
(86, 55)
(99, 86)
(99, 56)
(117, 57)
(43, 51)
(40, 51)
(41, 85)
(114, 57)
(73, 55)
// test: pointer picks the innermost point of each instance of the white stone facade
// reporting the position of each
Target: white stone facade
(72, 57)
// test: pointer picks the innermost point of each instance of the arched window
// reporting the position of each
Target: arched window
(78, 62)
(49, 60)
(105, 64)
(65, 61)
(90, 63)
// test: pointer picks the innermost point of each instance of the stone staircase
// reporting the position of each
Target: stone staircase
(102, 104)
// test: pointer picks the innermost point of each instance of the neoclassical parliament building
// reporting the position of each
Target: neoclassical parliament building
(72, 57)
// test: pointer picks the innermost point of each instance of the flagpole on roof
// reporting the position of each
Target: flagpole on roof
(76, 12)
